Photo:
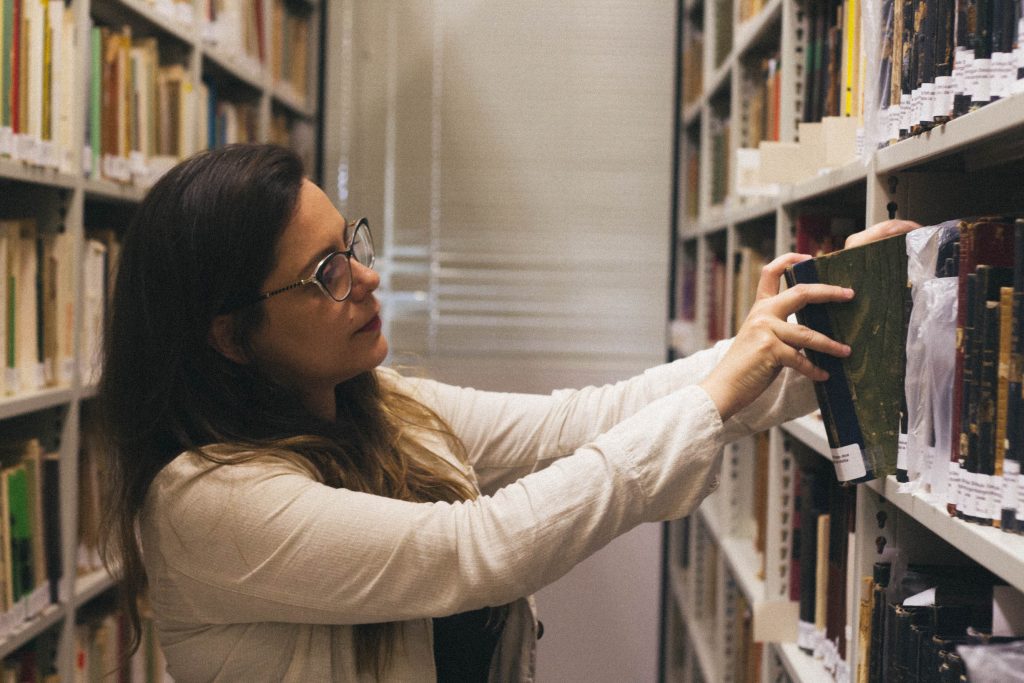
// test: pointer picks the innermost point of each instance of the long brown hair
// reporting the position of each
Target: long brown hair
(202, 240)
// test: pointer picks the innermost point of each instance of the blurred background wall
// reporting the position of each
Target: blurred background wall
(514, 158)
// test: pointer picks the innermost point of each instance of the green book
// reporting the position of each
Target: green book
(5, 63)
(862, 398)
(20, 515)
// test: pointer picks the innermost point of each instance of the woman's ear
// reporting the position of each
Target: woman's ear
(222, 339)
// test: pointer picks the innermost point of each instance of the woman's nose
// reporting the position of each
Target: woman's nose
(364, 280)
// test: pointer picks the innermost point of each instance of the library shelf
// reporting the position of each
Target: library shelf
(810, 430)
(99, 188)
(692, 111)
(166, 21)
(17, 171)
(718, 81)
(91, 208)
(999, 552)
(699, 635)
(799, 665)
(24, 632)
(32, 401)
(243, 69)
(286, 96)
(999, 121)
(756, 29)
(89, 585)
(831, 180)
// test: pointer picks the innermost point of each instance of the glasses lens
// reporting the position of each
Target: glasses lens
(362, 245)
(335, 276)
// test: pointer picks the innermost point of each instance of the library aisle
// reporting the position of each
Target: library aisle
(799, 123)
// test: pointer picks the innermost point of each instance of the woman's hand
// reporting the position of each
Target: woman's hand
(879, 231)
(766, 342)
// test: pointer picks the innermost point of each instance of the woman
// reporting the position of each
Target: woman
(294, 512)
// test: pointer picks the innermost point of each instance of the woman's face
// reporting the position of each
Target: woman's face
(307, 340)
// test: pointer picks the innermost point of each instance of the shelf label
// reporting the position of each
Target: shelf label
(1011, 471)
(6, 141)
(849, 462)
(901, 452)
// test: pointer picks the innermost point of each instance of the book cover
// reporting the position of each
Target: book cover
(860, 401)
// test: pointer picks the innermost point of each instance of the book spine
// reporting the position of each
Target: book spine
(845, 439)
(1012, 517)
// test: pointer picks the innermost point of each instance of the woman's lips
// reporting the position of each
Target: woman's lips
(372, 326)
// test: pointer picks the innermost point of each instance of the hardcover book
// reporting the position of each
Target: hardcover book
(861, 400)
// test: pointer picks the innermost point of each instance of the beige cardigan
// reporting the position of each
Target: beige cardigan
(257, 572)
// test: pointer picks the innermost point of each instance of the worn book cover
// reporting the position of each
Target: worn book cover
(861, 400)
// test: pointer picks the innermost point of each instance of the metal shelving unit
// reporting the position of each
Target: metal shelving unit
(968, 166)
(77, 192)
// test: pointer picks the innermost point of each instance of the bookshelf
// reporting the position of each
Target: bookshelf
(187, 74)
(746, 192)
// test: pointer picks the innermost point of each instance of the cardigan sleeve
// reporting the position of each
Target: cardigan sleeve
(509, 435)
(263, 541)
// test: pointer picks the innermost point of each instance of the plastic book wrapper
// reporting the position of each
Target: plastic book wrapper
(862, 399)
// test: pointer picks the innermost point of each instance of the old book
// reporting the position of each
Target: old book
(1014, 444)
(860, 401)
(983, 241)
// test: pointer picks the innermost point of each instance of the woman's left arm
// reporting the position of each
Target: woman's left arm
(510, 435)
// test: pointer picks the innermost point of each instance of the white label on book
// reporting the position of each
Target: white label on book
(67, 371)
(39, 375)
(981, 78)
(6, 141)
(1011, 471)
(25, 149)
(1020, 498)
(927, 112)
(953, 485)
(901, 452)
(805, 635)
(962, 70)
(87, 160)
(12, 380)
(994, 496)
(47, 154)
(849, 462)
(944, 95)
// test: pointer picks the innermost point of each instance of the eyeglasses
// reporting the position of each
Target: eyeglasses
(333, 275)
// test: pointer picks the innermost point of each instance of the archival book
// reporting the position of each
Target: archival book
(861, 400)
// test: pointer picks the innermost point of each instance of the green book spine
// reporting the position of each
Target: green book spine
(5, 63)
(21, 531)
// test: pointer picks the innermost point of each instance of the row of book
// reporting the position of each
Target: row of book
(946, 416)
(37, 79)
(30, 551)
(944, 58)
(912, 618)
(290, 45)
(37, 294)
(987, 420)
(692, 64)
(762, 89)
(833, 71)
(237, 28)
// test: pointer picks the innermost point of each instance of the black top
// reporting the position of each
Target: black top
(464, 644)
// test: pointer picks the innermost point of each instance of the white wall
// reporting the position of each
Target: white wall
(514, 157)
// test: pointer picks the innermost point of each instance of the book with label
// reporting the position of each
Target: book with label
(861, 400)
